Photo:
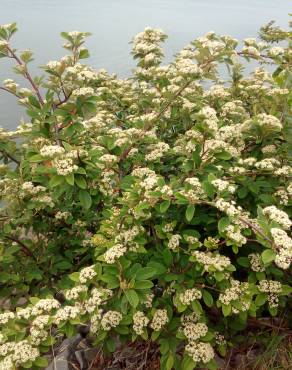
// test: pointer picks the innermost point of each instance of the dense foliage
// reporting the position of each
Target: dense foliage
(149, 208)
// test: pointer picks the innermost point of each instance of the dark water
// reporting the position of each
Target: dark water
(114, 22)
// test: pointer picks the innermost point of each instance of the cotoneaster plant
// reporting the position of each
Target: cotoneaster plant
(150, 208)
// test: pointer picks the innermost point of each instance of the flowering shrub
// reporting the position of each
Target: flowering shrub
(150, 208)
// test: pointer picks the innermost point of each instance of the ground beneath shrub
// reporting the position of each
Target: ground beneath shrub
(145, 356)
(276, 354)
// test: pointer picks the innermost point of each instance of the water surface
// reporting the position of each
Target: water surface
(114, 22)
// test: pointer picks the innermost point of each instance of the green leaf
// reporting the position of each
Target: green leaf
(143, 284)
(207, 297)
(132, 297)
(41, 362)
(167, 257)
(243, 261)
(85, 199)
(63, 265)
(70, 179)
(164, 206)
(36, 158)
(224, 155)
(145, 273)
(226, 309)
(75, 276)
(268, 256)
(27, 365)
(110, 344)
(190, 212)
(261, 299)
(169, 362)
(69, 330)
(112, 281)
(56, 180)
(223, 223)
(212, 365)
(197, 308)
(242, 193)
(286, 290)
(83, 54)
(188, 363)
(81, 182)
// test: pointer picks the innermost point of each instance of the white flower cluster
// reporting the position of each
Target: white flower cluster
(194, 182)
(189, 318)
(275, 214)
(149, 299)
(66, 313)
(45, 200)
(235, 293)
(223, 185)
(114, 253)
(159, 319)
(276, 51)
(210, 118)
(73, 294)
(97, 297)
(17, 353)
(45, 305)
(140, 321)
(269, 149)
(166, 190)
(127, 237)
(284, 248)
(200, 351)
(187, 68)
(87, 273)
(83, 92)
(150, 36)
(268, 122)
(157, 151)
(233, 109)
(194, 331)
(64, 166)
(217, 91)
(234, 234)
(62, 215)
(51, 151)
(41, 321)
(273, 289)
(54, 65)
(190, 295)
(283, 171)
(283, 196)
(267, 164)
(220, 339)
(173, 242)
(95, 321)
(107, 160)
(6, 316)
(212, 262)
(270, 286)
(110, 319)
(256, 262)
(228, 207)
(28, 188)
(251, 51)
(37, 335)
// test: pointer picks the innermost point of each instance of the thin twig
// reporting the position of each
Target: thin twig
(9, 91)
(27, 75)
(24, 248)
(4, 152)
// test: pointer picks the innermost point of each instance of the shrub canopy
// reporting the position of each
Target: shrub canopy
(150, 208)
